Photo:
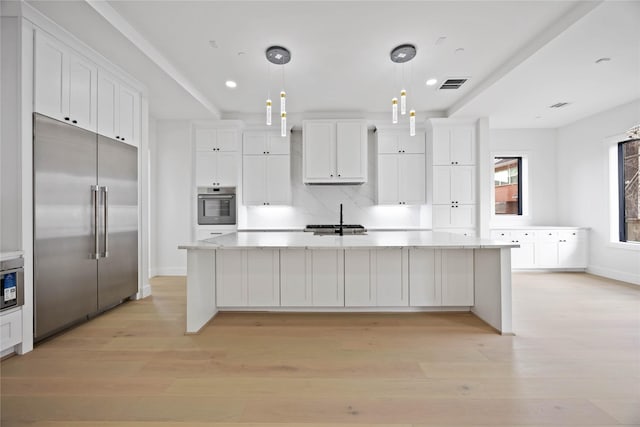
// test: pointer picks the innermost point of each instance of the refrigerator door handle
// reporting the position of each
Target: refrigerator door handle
(96, 241)
(105, 191)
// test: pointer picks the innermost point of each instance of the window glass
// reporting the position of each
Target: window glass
(629, 169)
(507, 185)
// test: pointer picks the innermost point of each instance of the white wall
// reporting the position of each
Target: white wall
(320, 204)
(171, 195)
(538, 149)
(583, 188)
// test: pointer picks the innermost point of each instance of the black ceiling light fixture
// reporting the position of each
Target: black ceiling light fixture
(402, 54)
(278, 55)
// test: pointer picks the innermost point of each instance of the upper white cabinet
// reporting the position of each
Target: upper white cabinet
(266, 177)
(216, 157)
(401, 168)
(454, 145)
(334, 151)
(65, 83)
(118, 109)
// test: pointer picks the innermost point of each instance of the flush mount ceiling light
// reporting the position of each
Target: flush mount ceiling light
(231, 84)
(432, 82)
(278, 55)
(400, 55)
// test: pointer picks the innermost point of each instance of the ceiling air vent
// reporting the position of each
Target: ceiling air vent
(559, 105)
(452, 83)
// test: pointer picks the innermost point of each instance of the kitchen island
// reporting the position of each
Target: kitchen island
(387, 271)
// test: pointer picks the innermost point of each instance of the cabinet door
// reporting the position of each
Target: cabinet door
(83, 91)
(207, 169)
(571, 253)
(457, 277)
(388, 144)
(263, 285)
(278, 180)
(463, 184)
(206, 139)
(319, 150)
(358, 289)
(327, 275)
(351, 150)
(254, 186)
(227, 169)
(441, 146)
(424, 289)
(412, 144)
(442, 216)
(412, 180)
(524, 256)
(230, 286)
(277, 144)
(463, 216)
(388, 179)
(51, 77)
(128, 115)
(463, 146)
(254, 143)
(547, 253)
(226, 140)
(391, 287)
(295, 278)
(108, 91)
(442, 185)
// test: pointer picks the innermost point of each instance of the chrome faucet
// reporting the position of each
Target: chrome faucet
(341, 221)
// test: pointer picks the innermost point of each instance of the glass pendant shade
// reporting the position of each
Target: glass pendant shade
(412, 123)
(394, 110)
(283, 124)
(283, 102)
(268, 112)
(403, 102)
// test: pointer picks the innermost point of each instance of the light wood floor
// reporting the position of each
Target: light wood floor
(575, 361)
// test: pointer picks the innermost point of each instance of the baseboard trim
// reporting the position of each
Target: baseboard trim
(614, 274)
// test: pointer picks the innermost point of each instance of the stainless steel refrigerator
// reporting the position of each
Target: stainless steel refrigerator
(85, 224)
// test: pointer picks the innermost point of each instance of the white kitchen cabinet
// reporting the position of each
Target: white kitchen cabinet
(424, 279)
(454, 145)
(334, 151)
(327, 278)
(454, 184)
(457, 277)
(546, 248)
(374, 277)
(401, 168)
(118, 109)
(396, 142)
(441, 277)
(216, 169)
(295, 278)
(212, 139)
(266, 180)
(454, 216)
(248, 278)
(10, 329)
(202, 232)
(388, 179)
(264, 142)
(65, 83)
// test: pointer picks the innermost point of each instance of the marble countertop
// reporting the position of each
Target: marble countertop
(538, 227)
(373, 239)
(10, 255)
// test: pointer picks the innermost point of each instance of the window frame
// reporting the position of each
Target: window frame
(622, 228)
(520, 187)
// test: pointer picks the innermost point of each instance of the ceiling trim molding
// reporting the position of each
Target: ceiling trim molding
(148, 49)
(529, 49)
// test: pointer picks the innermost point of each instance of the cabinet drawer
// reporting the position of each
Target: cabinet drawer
(501, 235)
(570, 235)
(523, 235)
(548, 236)
(10, 329)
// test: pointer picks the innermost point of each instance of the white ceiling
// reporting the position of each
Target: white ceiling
(340, 55)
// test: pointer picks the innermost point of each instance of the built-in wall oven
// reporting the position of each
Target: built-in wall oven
(216, 205)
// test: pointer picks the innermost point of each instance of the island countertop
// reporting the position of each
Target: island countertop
(382, 239)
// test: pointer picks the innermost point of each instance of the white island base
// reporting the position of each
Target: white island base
(381, 271)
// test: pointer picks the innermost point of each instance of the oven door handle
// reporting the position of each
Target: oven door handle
(215, 197)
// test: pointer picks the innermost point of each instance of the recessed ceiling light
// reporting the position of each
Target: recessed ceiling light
(231, 84)
(213, 44)
(432, 82)
(601, 60)
(459, 50)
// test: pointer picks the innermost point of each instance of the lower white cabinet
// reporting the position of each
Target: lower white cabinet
(441, 277)
(248, 278)
(546, 248)
(312, 278)
(376, 277)
(10, 329)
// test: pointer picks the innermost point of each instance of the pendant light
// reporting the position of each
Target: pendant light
(400, 55)
(279, 55)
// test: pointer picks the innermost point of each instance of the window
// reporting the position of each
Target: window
(507, 183)
(629, 194)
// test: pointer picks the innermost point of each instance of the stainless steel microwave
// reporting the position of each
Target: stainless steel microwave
(216, 205)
